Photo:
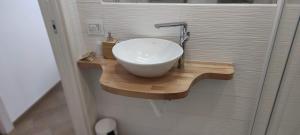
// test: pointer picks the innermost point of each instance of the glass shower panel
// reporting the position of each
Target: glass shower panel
(285, 118)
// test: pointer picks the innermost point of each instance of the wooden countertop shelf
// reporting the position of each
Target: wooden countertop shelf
(174, 85)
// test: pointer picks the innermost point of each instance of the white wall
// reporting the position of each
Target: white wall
(220, 33)
(28, 69)
(5, 124)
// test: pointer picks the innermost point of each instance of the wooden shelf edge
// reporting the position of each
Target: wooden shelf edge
(174, 85)
(137, 94)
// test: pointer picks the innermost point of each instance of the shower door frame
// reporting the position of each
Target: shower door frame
(65, 38)
(265, 128)
(278, 107)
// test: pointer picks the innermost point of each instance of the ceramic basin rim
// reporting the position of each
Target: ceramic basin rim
(147, 64)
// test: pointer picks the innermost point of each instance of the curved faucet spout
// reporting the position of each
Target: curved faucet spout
(184, 36)
(172, 24)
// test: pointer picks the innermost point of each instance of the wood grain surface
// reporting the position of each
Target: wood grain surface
(173, 85)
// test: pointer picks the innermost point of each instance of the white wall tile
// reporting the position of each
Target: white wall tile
(213, 105)
(220, 33)
(204, 125)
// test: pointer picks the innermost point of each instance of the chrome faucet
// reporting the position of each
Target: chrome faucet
(184, 36)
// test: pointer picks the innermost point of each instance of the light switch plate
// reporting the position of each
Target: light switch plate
(95, 27)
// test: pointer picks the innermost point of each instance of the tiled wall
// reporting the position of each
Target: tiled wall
(221, 33)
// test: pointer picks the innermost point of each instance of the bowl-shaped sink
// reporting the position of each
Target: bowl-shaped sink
(147, 57)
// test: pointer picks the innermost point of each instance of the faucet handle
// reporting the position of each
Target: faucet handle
(186, 36)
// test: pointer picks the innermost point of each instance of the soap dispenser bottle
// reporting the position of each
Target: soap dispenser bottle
(107, 46)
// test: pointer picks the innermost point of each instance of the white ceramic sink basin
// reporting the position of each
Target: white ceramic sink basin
(147, 57)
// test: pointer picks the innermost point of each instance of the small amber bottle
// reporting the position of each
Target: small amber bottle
(107, 47)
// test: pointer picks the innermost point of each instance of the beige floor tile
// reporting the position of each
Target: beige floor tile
(49, 116)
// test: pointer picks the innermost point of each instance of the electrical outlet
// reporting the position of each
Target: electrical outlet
(95, 27)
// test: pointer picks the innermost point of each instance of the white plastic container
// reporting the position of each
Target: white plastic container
(106, 126)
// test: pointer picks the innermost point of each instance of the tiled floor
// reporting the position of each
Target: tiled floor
(49, 116)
